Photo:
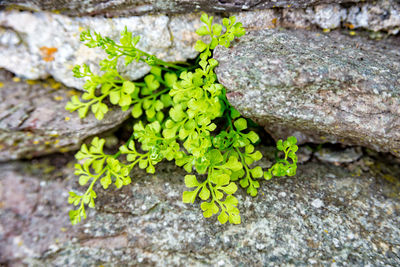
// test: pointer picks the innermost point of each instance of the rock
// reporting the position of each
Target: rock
(33, 119)
(382, 15)
(320, 216)
(346, 155)
(320, 88)
(171, 38)
(39, 45)
(136, 7)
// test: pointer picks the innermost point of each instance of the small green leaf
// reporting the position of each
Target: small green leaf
(267, 175)
(244, 182)
(209, 209)
(222, 179)
(215, 156)
(234, 219)
(292, 140)
(205, 193)
(156, 71)
(84, 179)
(143, 163)
(114, 97)
(257, 172)
(83, 111)
(137, 110)
(125, 100)
(252, 191)
(176, 113)
(256, 155)
(170, 79)
(203, 30)
(240, 124)
(279, 145)
(233, 164)
(223, 217)
(118, 183)
(106, 181)
(200, 46)
(216, 28)
(128, 87)
(151, 82)
(230, 189)
(205, 19)
(225, 22)
(253, 137)
(189, 196)
(150, 169)
(191, 181)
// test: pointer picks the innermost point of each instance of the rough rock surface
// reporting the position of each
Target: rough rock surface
(38, 45)
(33, 119)
(170, 38)
(139, 7)
(322, 216)
(347, 155)
(320, 88)
(383, 15)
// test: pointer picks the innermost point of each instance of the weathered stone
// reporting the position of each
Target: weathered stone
(346, 155)
(170, 38)
(381, 15)
(138, 7)
(38, 45)
(320, 88)
(320, 216)
(33, 119)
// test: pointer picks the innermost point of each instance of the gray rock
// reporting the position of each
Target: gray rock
(39, 45)
(33, 119)
(321, 216)
(384, 15)
(170, 38)
(381, 15)
(137, 7)
(320, 88)
(346, 155)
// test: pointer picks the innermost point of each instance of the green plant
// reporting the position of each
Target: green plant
(183, 116)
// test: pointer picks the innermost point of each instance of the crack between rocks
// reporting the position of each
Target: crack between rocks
(364, 114)
(82, 240)
(171, 35)
(130, 213)
(102, 210)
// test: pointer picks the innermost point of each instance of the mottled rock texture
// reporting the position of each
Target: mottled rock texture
(379, 16)
(38, 45)
(138, 7)
(324, 215)
(33, 119)
(320, 88)
(383, 15)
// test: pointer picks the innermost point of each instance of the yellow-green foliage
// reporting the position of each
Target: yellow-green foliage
(177, 111)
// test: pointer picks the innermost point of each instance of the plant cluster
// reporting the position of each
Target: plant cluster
(183, 116)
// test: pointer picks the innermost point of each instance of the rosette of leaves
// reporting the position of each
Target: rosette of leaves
(183, 116)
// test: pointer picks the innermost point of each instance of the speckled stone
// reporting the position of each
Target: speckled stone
(383, 15)
(323, 215)
(139, 7)
(347, 155)
(320, 88)
(34, 122)
(26, 36)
